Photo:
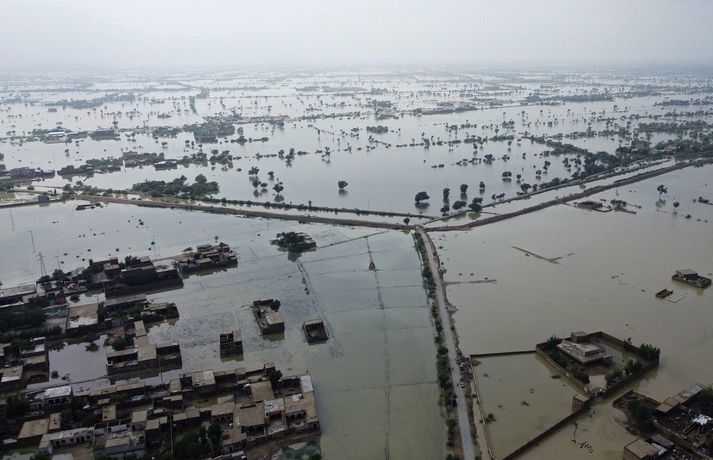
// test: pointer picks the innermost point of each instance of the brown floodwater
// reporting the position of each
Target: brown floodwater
(606, 269)
(375, 378)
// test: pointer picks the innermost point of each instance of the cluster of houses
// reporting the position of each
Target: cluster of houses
(24, 173)
(22, 364)
(680, 427)
(134, 420)
(207, 256)
(142, 355)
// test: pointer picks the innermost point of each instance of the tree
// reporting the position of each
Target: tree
(649, 352)
(201, 179)
(342, 184)
(463, 188)
(632, 366)
(446, 193)
(275, 305)
(614, 377)
(661, 189)
(459, 204)
(475, 205)
(274, 376)
(59, 275)
(16, 406)
(278, 187)
(215, 436)
(421, 196)
(191, 445)
(119, 343)
(676, 204)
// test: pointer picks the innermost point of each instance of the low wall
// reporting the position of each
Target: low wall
(577, 383)
(143, 287)
(502, 353)
(549, 431)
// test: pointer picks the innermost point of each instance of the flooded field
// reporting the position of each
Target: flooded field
(526, 406)
(374, 378)
(307, 133)
(566, 269)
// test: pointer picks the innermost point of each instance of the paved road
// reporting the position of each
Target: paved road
(466, 434)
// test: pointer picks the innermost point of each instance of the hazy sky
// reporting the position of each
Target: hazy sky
(85, 34)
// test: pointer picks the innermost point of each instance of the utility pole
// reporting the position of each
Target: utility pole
(32, 235)
(43, 270)
(58, 265)
(12, 219)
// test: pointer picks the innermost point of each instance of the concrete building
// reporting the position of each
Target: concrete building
(82, 319)
(57, 396)
(315, 331)
(120, 442)
(32, 431)
(640, 450)
(269, 321)
(692, 278)
(231, 343)
(52, 441)
(582, 350)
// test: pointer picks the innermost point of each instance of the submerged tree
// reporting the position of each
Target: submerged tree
(421, 196)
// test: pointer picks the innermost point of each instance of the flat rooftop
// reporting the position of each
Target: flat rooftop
(34, 428)
(82, 315)
(584, 352)
(17, 291)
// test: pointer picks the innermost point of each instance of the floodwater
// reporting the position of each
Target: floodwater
(375, 378)
(384, 171)
(608, 267)
(522, 407)
(552, 272)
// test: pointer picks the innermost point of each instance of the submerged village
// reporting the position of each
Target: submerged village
(422, 265)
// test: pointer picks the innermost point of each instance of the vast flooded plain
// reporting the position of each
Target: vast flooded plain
(388, 136)
(342, 143)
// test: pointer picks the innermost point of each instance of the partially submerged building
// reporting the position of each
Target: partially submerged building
(143, 355)
(269, 320)
(294, 241)
(583, 350)
(82, 319)
(206, 257)
(231, 343)
(692, 278)
(315, 331)
(680, 427)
